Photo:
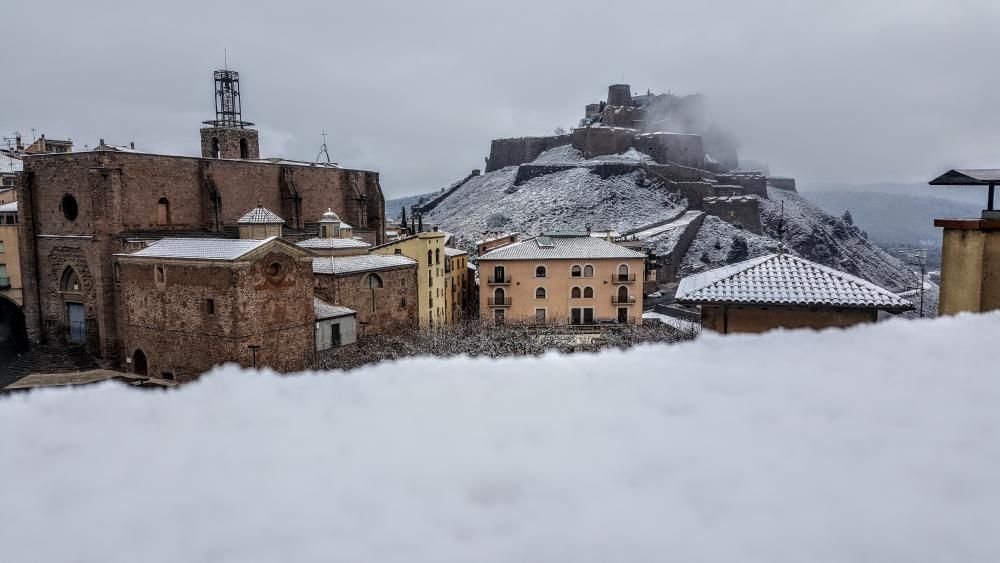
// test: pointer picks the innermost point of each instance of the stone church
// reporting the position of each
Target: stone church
(79, 209)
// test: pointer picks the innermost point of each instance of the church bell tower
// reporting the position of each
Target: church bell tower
(228, 136)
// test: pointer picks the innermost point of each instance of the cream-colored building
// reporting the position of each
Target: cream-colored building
(10, 261)
(571, 279)
(427, 249)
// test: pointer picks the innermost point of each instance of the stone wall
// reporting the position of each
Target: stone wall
(394, 306)
(601, 141)
(683, 149)
(171, 322)
(752, 184)
(513, 152)
(743, 211)
(787, 184)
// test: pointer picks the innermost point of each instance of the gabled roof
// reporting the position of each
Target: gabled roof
(783, 279)
(260, 215)
(573, 247)
(324, 310)
(205, 248)
(317, 243)
(968, 177)
(449, 251)
(341, 265)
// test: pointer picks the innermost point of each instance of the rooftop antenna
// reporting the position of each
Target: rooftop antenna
(225, 58)
(322, 149)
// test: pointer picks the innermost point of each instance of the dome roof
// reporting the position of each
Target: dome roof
(329, 217)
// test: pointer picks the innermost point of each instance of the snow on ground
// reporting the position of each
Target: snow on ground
(712, 246)
(679, 324)
(878, 443)
(566, 154)
(566, 200)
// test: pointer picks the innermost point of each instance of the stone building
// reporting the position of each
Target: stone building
(78, 209)
(784, 291)
(571, 279)
(382, 290)
(185, 305)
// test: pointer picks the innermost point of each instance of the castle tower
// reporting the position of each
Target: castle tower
(620, 95)
(228, 136)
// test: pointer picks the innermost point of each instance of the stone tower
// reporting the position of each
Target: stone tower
(228, 136)
(620, 95)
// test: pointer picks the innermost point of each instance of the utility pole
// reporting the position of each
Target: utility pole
(916, 257)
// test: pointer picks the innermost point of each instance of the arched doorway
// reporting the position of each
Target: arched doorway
(139, 365)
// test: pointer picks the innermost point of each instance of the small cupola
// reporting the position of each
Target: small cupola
(260, 223)
(330, 226)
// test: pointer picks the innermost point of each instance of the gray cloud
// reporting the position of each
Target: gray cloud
(877, 90)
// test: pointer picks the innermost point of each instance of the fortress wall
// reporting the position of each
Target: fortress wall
(514, 152)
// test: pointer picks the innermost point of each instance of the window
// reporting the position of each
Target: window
(540, 293)
(574, 293)
(322, 233)
(588, 293)
(623, 272)
(623, 294)
(374, 281)
(539, 315)
(159, 275)
(499, 296)
(437, 256)
(576, 271)
(216, 152)
(69, 282)
(1, 247)
(167, 375)
(430, 257)
(69, 207)
(498, 274)
(163, 212)
(588, 271)
(210, 306)
(274, 270)
(540, 272)
(244, 149)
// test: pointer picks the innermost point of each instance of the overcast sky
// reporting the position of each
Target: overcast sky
(852, 91)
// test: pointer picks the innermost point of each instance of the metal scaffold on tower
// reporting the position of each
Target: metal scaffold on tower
(228, 112)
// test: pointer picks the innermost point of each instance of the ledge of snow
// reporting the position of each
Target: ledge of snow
(878, 443)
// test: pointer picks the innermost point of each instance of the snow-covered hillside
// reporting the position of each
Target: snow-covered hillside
(566, 200)
(873, 444)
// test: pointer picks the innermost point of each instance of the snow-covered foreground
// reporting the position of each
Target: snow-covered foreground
(875, 444)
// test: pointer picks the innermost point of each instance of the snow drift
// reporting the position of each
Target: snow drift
(878, 443)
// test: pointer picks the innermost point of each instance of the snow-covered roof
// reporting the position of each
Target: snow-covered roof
(551, 247)
(324, 310)
(200, 248)
(783, 279)
(9, 164)
(448, 251)
(329, 217)
(260, 215)
(339, 265)
(318, 243)
(10, 207)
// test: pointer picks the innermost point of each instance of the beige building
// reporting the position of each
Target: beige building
(784, 291)
(10, 261)
(456, 267)
(427, 250)
(970, 252)
(571, 279)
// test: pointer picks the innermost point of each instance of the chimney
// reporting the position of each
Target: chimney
(17, 141)
(131, 145)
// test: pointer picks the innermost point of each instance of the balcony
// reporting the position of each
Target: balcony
(493, 280)
(622, 278)
(4, 282)
(502, 302)
(615, 300)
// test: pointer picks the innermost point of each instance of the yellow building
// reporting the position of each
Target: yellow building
(10, 263)
(456, 266)
(428, 251)
(970, 251)
(571, 279)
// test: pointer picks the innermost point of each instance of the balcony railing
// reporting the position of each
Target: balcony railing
(499, 281)
(4, 282)
(502, 302)
(620, 301)
(622, 278)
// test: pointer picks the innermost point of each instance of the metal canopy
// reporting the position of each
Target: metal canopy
(968, 177)
(973, 177)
